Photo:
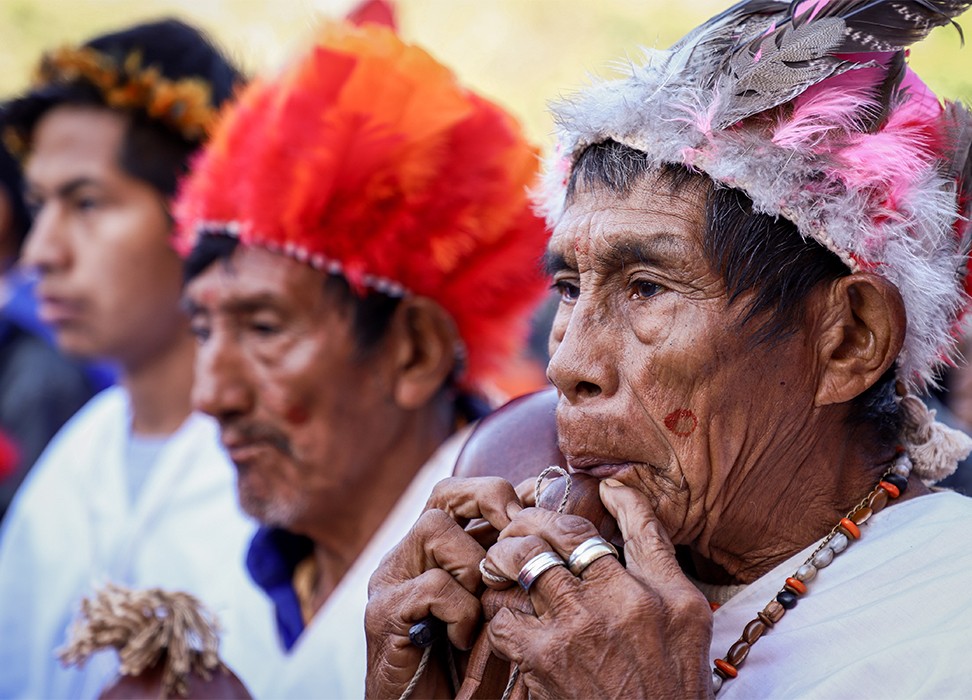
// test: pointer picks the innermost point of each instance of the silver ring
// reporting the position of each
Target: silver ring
(537, 565)
(588, 552)
(489, 575)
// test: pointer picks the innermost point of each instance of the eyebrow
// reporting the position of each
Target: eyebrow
(661, 250)
(554, 262)
(654, 249)
(65, 189)
(245, 306)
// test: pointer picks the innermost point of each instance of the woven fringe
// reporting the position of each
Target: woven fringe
(934, 448)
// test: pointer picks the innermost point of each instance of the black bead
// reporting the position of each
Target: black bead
(786, 599)
(898, 481)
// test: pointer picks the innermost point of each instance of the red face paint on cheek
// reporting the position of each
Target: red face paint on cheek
(208, 297)
(681, 422)
(297, 415)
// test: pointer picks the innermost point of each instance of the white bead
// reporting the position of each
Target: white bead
(823, 557)
(806, 572)
(902, 465)
(716, 683)
(838, 543)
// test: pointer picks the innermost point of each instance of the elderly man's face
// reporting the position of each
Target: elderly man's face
(302, 416)
(659, 386)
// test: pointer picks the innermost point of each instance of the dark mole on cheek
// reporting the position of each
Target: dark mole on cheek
(681, 422)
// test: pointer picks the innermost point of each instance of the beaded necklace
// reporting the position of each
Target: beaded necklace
(891, 485)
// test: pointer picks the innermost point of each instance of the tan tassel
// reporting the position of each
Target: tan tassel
(145, 626)
(934, 448)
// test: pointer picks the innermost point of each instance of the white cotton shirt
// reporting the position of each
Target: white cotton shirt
(891, 617)
(72, 527)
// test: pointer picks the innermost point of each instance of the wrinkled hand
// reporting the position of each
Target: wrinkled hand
(640, 631)
(434, 570)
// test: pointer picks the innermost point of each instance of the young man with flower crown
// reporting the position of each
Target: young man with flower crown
(362, 261)
(134, 489)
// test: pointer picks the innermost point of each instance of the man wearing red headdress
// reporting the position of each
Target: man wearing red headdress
(361, 263)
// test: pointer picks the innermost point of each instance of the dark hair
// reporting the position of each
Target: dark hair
(12, 186)
(151, 151)
(762, 257)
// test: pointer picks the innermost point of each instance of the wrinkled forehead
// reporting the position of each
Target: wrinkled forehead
(653, 220)
(248, 274)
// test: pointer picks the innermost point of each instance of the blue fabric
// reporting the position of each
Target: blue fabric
(271, 560)
(20, 311)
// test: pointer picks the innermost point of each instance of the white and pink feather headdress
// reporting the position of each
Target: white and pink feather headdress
(808, 107)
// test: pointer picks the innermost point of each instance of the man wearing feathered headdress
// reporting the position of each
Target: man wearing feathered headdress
(760, 237)
(362, 259)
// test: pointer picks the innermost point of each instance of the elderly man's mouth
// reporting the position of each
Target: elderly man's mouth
(243, 454)
(600, 467)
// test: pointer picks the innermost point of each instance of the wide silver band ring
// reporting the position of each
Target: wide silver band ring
(537, 565)
(588, 552)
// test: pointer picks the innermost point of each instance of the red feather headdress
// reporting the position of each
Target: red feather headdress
(368, 159)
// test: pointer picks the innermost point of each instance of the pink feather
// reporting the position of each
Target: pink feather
(838, 105)
(813, 5)
(817, 116)
(894, 157)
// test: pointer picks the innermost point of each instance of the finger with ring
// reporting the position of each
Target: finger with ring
(537, 565)
(589, 551)
(489, 576)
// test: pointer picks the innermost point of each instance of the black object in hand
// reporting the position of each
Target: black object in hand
(423, 633)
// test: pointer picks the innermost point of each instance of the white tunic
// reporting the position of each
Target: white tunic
(72, 527)
(329, 658)
(891, 617)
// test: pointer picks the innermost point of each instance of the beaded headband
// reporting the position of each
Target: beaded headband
(809, 109)
(183, 105)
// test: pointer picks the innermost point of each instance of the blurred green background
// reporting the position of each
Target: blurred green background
(519, 52)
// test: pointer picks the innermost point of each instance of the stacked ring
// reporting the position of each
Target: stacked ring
(537, 565)
(588, 552)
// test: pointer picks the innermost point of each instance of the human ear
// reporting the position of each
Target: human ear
(862, 328)
(425, 341)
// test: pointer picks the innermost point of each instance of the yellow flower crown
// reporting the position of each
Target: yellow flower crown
(183, 105)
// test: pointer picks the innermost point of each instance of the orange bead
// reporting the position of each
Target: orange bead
(848, 527)
(892, 490)
(714, 606)
(728, 670)
(796, 585)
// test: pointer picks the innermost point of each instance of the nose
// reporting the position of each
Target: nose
(222, 386)
(582, 365)
(48, 246)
